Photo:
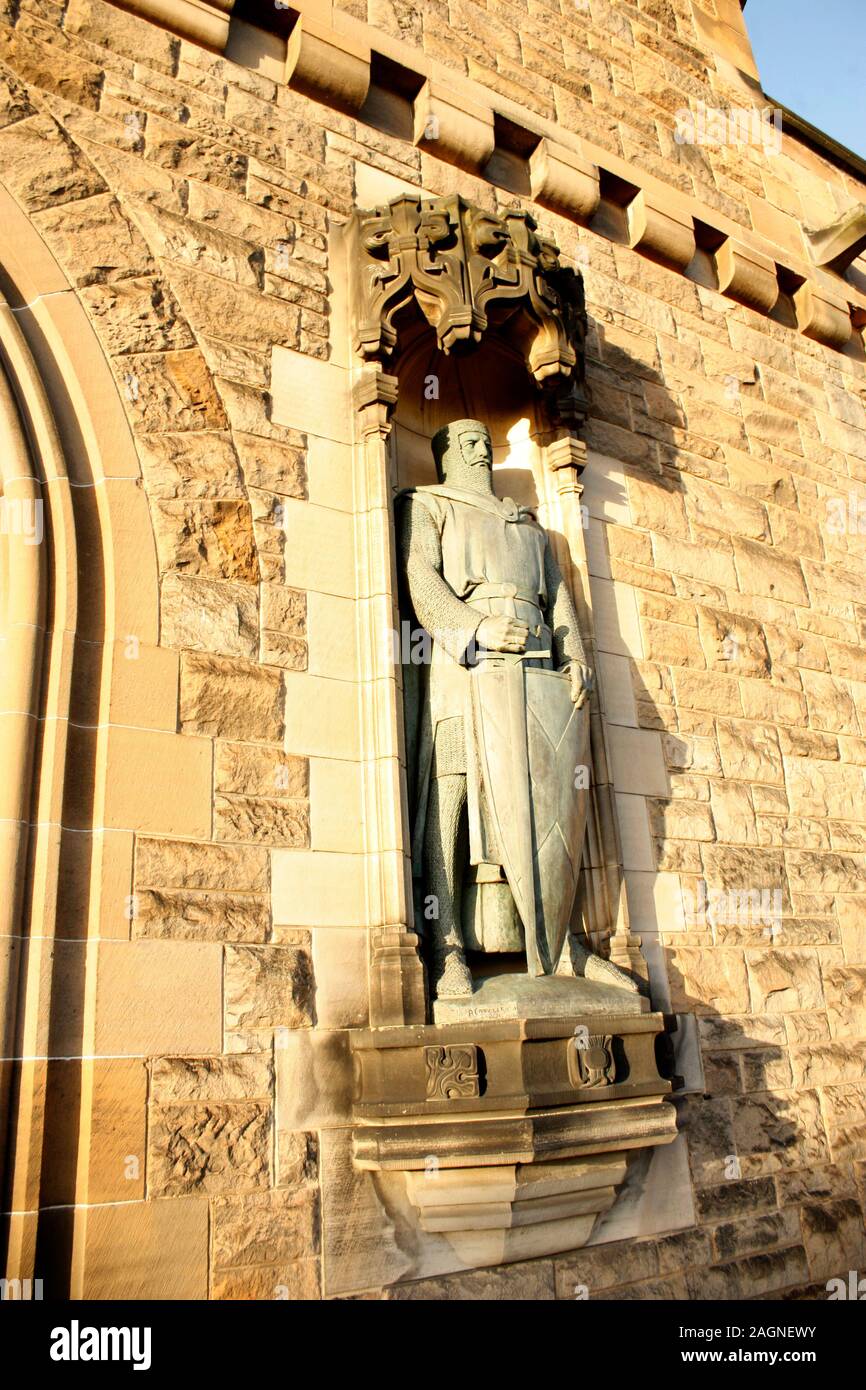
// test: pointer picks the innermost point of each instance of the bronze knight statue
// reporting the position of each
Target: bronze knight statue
(497, 729)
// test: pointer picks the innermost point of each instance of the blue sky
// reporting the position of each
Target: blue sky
(811, 58)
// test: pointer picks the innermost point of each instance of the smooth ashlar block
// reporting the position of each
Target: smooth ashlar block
(143, 688)
(320, 551)
(329, 472)
(156, 782)
(145, 1250)
(657, 903)
(316, 888)
(637, 761)
(157, 998)
(321, 716)
(332, 636)
(335, 805)
(604, 491)
(310, 395)
(375, 187)
(637, 845)
(617, 692)
(116, 1157)
(656, 1197)
(615, 619)
(340, 965)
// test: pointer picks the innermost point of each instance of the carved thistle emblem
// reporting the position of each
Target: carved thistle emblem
(452, 1072)
(590, 1060)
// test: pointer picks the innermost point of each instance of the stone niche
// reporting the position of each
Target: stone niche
(448, 1145)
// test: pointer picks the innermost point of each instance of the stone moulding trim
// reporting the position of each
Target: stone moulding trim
(22, 628)
(329, 59)
(604, 1127)
(491, 1215)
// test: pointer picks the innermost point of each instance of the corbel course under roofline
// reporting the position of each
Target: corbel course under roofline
(329, 55)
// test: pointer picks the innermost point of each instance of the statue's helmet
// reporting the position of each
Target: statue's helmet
(446, 443)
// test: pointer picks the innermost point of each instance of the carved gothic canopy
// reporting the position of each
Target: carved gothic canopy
(467, 269)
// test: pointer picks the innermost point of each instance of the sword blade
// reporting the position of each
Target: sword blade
(523, 834)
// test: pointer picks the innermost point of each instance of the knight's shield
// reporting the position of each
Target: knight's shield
(532, 749)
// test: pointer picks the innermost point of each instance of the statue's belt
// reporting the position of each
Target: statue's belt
(513, 596)
(510, 591)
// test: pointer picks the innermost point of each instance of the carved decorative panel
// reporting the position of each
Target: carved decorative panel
(452, 1072)
(591, 1061)
(467, 269)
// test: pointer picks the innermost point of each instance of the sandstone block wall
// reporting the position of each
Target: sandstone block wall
(188, 201)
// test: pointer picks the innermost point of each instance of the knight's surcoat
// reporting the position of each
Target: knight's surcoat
(467, 555)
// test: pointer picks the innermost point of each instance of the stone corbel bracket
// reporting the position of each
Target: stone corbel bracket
(565, 182)
(461, 134)
(510, 1138)
(328, 67)
(822, 314)
(666, 234)
(202, 21)
(746, 275)
(466, 269)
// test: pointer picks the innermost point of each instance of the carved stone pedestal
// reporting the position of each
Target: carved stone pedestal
(510, 1137)
(497, 1214)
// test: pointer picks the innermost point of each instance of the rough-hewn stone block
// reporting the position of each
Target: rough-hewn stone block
(208, 1148)
(246, 770)
(187, 864)
(180, 915)
(187, 1079)
(230, 699)
(268, 987)
(264, 822)
(210, 615)
(206, 538)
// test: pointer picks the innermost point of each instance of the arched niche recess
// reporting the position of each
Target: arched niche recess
(457, 312)
(78, 575)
